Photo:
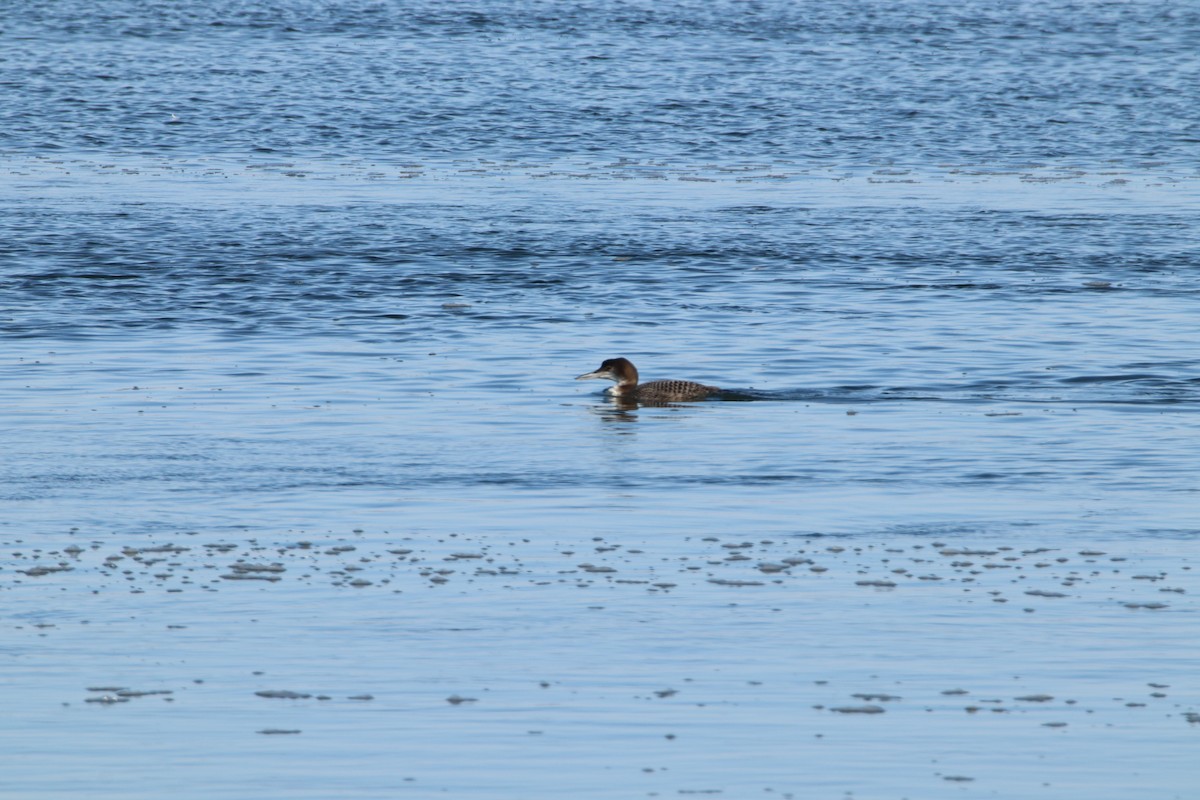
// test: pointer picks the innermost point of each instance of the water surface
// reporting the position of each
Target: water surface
(300, 497)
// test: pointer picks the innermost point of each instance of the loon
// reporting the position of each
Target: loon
(628, 389)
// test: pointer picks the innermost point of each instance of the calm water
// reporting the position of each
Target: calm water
(292, 298)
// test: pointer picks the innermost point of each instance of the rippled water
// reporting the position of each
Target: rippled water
(278, 281)
(865, 82)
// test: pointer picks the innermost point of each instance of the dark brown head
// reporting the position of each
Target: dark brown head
(620, 370)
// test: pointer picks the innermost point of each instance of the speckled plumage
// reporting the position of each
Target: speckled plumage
(625, 374)
(669, 391)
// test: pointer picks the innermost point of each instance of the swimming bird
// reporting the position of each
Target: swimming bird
(628, 390)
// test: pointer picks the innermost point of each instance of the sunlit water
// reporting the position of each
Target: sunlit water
(292, 299)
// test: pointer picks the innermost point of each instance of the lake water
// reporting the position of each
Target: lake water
(300, 498)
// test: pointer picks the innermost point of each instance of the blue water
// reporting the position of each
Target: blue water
(292, 298)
